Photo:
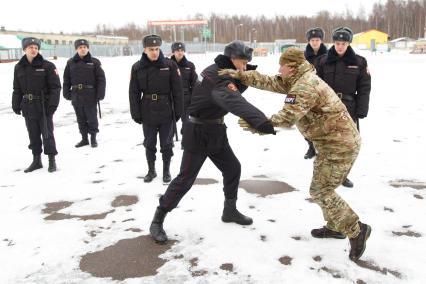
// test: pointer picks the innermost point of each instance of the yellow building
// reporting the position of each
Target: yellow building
(371, 38)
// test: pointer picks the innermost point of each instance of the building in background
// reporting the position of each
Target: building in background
(372, 40)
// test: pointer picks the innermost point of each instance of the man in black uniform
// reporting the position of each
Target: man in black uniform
(156, 102)
(36, 92)
(314, 49)
(205, 136)
(84, 85)
(189, 76)
(347, 74)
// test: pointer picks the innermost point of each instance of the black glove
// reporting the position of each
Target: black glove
(137, 120)
(17, 111)
(266, 127)
(51, 110)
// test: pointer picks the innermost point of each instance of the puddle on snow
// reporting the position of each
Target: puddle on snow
(265, 187)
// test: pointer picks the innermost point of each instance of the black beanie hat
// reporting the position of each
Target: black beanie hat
(238, 50)
(342, 34)
(315, 33)
(178, 45)
(29, 41)
(151, 40)
(81, 41)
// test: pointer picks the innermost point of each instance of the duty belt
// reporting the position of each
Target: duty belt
(154, 97)
(345, 97)
(197, 120)
(81, 87)
(31, 97)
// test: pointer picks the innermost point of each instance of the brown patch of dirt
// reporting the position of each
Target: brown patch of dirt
(227, 267)
(198, 273)
(408, 233)
(372, 266)
(286, 260)
(118, 160)
(271, 220)
(98, 181)
(266, 187)
(335, 273)
(124, 200)
(263, 238)
(297, 238)
(55, 206)
(180, 256)
(129, 258)
(388, 209)
(260, 176)
(317, 258)
(310, 200)
(193, 262)
(205, 181)
(418, 196)
(359, 281)
(136, 230)
(128, 220)
(61, 216)
(408, 183)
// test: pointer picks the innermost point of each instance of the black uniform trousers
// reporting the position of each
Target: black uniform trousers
(225, 161)
(35, 130)
(185, 115)
(87, 119)
(165, 131)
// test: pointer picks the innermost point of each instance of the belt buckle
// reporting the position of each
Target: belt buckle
(154, 97)
(340, 95)
(30, 97)
(80, 86)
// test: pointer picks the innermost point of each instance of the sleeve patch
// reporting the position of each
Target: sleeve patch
(290, 99)
(232, 87)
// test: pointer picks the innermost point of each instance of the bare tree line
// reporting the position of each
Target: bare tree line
(397, 18)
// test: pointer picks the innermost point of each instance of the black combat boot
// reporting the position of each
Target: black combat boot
(348, 183)
(35, 165)
(166, 172)
(324, 232)
(358, 243)
(93, 141)
(310, 153)
(151, 172)
(52, 164)
(84, 141)
(231, 214)
(156, 229)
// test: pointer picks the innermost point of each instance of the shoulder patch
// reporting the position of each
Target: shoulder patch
(232, 87)
(290, 99)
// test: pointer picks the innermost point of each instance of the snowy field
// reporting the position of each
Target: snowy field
(89, 221)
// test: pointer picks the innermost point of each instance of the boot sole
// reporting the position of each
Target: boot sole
(25, 171)
(367, 235)
(231, 221)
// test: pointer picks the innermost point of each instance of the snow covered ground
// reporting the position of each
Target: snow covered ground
(52, 229)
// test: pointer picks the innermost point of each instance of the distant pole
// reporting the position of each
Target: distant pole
(214, 33)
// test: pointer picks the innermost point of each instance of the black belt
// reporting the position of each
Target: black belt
(197, 120)
(81, 87)
(154, 97)
(31, 97)
(345, 97)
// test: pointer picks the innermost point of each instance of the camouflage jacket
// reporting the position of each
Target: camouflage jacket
(312, 106)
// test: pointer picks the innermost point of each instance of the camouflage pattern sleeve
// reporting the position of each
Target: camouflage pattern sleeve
(263, 82)
(299, 101)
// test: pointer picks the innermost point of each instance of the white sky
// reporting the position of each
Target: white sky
(76, 16)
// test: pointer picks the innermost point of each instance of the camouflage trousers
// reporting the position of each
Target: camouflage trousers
(330, 170)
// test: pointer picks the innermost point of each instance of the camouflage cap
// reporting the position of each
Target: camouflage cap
(81, 41)
(151, 41)
(292, 57)
(29, 41)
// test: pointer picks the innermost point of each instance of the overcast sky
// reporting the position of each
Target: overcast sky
(77, 16)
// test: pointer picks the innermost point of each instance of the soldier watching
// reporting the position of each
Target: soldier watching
(36, 92)
(84, 84)
(156, 102)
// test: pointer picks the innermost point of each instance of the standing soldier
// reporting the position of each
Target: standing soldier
(314, 49)
(84, 85)
(189, 76)
(36, 92)
(156, 102)
(205, 136)
(347, 74)
(321, 117)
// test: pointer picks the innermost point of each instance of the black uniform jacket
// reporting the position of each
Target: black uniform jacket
(29, 81)
(84, 80)
(155, 86)
(349, 77)
(310, 53)
(212, 99)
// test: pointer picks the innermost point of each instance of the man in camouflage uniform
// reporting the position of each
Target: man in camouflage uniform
(322, 118)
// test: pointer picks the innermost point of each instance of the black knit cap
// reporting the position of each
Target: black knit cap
(81, 41)
(238, 50)
(342, 34)
(315, 33)
(29, 41)
(178, 45)
(151, 40)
